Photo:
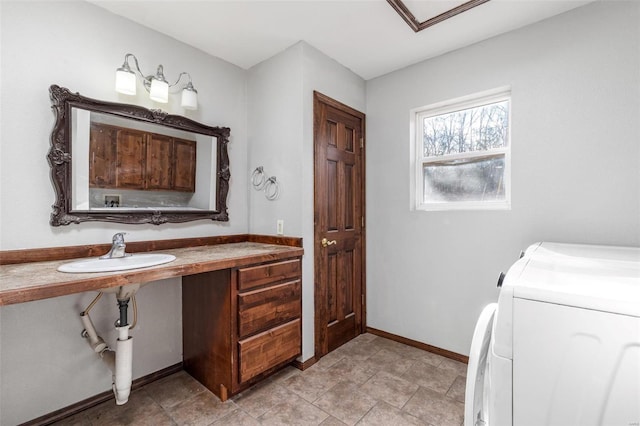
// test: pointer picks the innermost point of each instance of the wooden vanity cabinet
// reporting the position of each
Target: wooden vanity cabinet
(242, 324)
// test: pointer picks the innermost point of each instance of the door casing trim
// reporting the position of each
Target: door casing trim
(318, 327)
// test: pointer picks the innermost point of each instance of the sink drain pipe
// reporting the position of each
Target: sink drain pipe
(119, 361)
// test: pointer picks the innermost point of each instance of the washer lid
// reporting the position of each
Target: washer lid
(603, 278)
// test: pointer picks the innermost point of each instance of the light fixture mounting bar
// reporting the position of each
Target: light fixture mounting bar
(157, 85)
(417, 26)
(147, 78)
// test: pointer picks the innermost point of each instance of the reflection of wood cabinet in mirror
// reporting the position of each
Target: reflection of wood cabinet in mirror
(155, 180)
(130, 154)
(184, 170)
(132, 159)
(159, 162)
(102, 157)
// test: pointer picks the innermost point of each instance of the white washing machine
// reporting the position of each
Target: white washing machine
(562, 345)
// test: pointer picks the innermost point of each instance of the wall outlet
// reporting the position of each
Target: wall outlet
(280, 227)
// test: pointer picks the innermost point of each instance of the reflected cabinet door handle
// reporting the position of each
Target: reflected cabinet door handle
(326, 242)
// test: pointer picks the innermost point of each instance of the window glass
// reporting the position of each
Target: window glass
(462, 154)
(473, 179)
(474, 129)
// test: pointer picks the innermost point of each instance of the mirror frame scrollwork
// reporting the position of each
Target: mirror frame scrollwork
(60, 157)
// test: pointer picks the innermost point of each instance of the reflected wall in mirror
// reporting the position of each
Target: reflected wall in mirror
(128, 164)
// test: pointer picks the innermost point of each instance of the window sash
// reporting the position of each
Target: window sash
(422, 116)
(465, 195)
(463, 103)
(418, 115)
(434, 159)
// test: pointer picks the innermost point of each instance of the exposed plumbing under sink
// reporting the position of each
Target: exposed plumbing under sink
(120, 360)
(124, 291)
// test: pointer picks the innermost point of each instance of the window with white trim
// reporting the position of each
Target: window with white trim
(462, 153)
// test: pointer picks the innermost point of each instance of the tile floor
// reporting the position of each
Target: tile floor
(368, 381)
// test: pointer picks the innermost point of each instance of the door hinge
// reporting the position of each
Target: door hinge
(362, 221)
(361, 143)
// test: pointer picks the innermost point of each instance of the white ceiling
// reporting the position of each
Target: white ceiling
(366, 36)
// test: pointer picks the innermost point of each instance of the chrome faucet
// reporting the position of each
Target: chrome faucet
(117, 248)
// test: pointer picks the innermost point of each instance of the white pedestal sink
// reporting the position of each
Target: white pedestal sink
(134, 261)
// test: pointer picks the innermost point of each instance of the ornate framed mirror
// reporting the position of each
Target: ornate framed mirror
(123, 163)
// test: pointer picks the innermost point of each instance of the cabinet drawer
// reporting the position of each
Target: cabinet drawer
(267, 307)
(269, 273)
(268, 349)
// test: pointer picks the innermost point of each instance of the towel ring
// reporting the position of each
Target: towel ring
(258, 179)
(271, 188)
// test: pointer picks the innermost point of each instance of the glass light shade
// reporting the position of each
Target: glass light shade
(159, 91)
(125, 82)
(189, 98)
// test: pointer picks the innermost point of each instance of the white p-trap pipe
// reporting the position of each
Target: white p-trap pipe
(123, 368)
(95, 341)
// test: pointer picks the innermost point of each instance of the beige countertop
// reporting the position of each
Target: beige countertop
(41, 280)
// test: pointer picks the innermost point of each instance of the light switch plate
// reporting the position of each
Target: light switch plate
(280, 227)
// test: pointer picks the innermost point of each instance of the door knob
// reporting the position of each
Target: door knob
(326, 242)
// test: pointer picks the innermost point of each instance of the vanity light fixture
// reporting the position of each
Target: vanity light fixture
(157, 85)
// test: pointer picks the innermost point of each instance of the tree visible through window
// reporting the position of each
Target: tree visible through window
(462, 154)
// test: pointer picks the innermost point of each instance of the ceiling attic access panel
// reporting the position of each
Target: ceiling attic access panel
(431, 11)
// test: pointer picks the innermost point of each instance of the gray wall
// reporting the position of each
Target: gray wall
(576, 161)
(44, 364)
(575, 82)
(280, 134)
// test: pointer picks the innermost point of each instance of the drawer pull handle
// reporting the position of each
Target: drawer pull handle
(326, 242)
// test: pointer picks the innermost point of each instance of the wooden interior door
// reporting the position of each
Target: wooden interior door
(339, 224)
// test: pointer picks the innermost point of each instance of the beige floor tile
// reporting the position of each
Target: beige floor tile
(353, 370)
(312, 384)
(390, 361)
(383, 414)
(284, 374)
(174, 389)
(332, 421)
(329, 360)
(431, 358)
(360, 350)
(449, 364)
(430, 377)
(295, 411)
(366, 380)
(456, 391)
(389, 388)
(346, 402)
(435, 408)
(258, 399)
(407, 352)
(366, 337)
(237, 418)
(201, 410)
(139, 410)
